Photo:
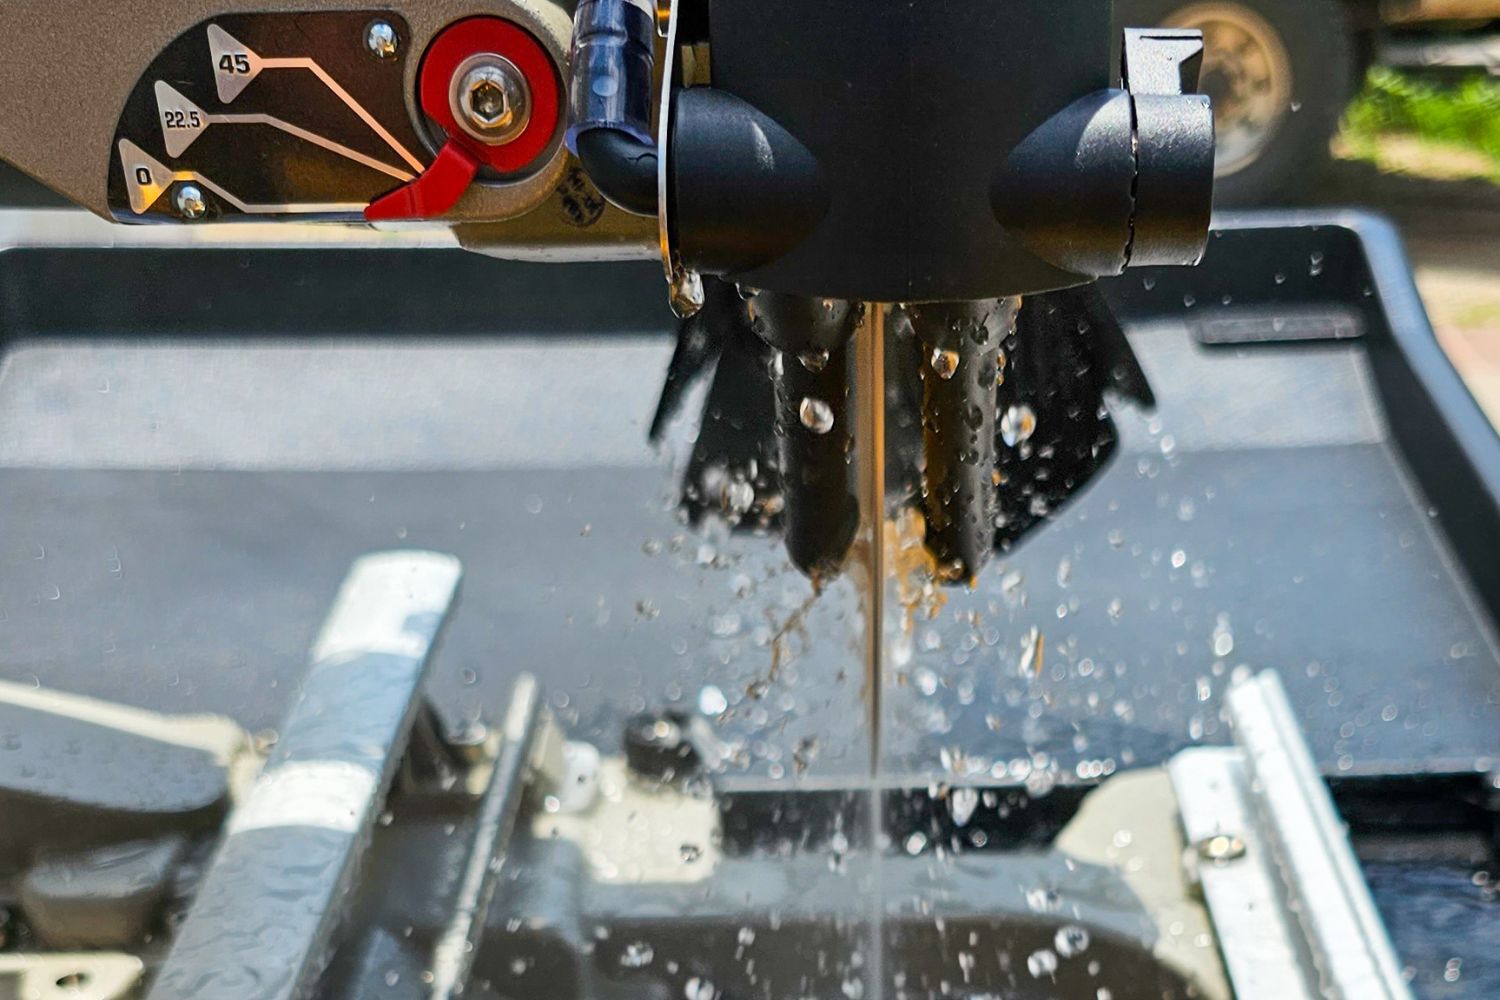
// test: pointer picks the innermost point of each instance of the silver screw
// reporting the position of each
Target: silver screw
(488, 103)
(382, 41)
(190, 202)
(491, 100)
(1221, 848)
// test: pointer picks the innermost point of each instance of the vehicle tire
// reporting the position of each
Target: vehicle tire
(1280, 73)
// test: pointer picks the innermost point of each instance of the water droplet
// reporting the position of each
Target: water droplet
(533, 504)
(1017, 424)
(738, 496)
(1040, 782)
(1179, 559)
(1223, 637)
(814, 361)
(961, 805)
(699, 989)
(1315, 263)
(944, 363)
(1043, 899)
(1071, 940)
(1042, 963)
(689, 853)
(637, 955)
(711, 701)
(816, 415)
(916, 843)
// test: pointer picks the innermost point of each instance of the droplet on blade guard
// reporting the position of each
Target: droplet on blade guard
(816, 415)
(944, 363)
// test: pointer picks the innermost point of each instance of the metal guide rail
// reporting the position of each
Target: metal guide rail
(296, 892)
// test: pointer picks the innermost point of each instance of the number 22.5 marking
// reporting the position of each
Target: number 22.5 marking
(176, 118)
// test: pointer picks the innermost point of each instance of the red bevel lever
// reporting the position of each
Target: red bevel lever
(451, 58)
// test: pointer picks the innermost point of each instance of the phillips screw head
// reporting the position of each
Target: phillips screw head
(190, 202)
(382, 41)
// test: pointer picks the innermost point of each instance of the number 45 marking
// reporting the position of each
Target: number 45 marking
(235, 62)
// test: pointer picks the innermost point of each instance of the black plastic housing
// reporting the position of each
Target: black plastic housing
(944, 151)
(908, 110)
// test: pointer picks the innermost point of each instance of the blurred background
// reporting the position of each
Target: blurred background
(1390, 104)
(1387, 104)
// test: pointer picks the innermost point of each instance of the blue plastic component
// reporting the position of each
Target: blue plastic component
(611, 78)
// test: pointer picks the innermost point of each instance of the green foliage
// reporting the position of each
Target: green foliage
(1465, 114)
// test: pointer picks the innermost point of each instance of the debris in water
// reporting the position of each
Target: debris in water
(804, 754)
(1033, 653)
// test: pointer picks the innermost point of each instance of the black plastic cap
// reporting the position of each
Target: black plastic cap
(744, 190)
(1065, 191)
(1174, 192)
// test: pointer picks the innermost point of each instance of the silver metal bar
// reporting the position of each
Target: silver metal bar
(453, 956)
(261, 926)
(1354, 956)
(1263, 949)
(1289, 903)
